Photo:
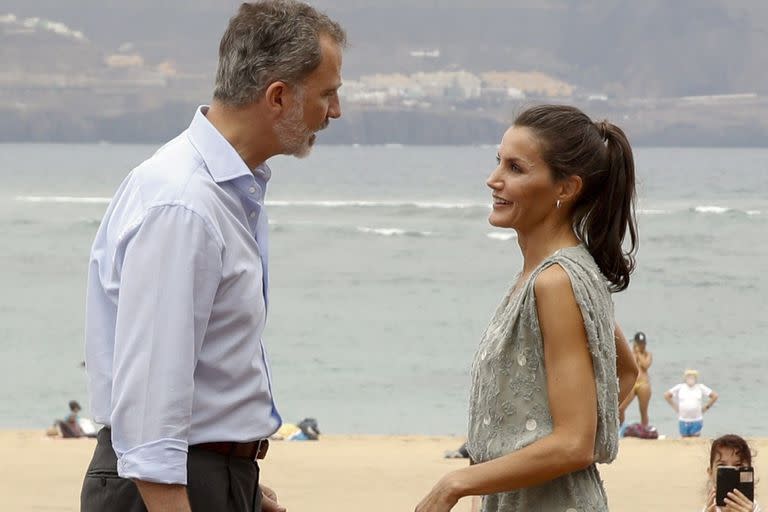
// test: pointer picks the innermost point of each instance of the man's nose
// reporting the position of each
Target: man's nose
(334, 110)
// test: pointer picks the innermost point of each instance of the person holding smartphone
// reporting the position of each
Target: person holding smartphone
(729, 450)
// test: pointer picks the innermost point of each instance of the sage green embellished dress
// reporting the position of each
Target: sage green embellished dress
(509, 408)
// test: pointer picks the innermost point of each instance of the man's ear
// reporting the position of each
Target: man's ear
(276, 96)
(570, 188)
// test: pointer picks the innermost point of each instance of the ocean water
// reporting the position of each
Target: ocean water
(384, 273)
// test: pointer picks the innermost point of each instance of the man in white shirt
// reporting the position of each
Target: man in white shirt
(178, 279)
(687, 399)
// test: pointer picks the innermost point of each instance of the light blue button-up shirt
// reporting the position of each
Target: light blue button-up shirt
(176, 306)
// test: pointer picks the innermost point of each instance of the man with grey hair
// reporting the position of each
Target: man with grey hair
(178, 279)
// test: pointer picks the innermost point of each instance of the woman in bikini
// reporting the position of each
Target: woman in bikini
(642, 389)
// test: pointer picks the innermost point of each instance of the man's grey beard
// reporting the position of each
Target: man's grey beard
(293, 134)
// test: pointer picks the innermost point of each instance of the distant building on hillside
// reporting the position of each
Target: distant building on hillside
(532, 83)
(426, 54)
(449, 84)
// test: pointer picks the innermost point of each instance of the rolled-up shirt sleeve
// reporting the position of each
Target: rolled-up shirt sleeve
(169, 268)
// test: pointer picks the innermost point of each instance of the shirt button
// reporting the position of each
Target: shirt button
(252, 215)
(530, 425)
(521, 360)
(252, 190)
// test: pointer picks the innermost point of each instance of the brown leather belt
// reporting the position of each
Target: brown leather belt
(253, 450)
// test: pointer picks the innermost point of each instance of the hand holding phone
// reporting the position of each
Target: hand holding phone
(709, 505)
(730, 478)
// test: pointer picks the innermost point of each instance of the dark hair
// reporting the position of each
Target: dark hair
(268, 41)
(735, 443)
(74, 405)
(573, 145)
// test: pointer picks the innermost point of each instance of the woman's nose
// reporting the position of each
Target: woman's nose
(493, 181)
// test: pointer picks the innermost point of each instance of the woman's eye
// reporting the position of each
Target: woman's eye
(512, 166)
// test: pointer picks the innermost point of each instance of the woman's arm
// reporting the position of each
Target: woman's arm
(645, 360)
(626, 367)
(572, 403)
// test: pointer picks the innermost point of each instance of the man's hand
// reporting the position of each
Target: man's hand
(269, 500)
(671, 401)
(712, 399)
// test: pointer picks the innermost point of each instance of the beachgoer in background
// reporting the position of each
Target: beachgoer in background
(461, 453)
(626, 366)
(544, 404)
(642, 387)
(310, 431)
(306, 430)
(69, 427)
(687, 399)
(178, 280)
(729, 450)
(73, 426)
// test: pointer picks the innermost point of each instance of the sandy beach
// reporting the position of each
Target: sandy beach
(362, 473)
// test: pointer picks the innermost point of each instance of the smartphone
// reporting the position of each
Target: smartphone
(730, 478)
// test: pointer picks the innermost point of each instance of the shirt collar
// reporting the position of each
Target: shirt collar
(223, 162)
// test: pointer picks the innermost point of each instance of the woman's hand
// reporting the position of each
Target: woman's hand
(709, 505)
(442, 498)
(737, 502)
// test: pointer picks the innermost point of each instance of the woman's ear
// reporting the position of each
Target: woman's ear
(570, 188)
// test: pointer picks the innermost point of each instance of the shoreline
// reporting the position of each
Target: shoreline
(353, 472)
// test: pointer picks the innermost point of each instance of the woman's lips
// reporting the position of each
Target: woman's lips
(500, 203)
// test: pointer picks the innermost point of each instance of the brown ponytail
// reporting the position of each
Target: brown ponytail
(599, 153)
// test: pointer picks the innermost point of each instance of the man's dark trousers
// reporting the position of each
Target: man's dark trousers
(215, 482)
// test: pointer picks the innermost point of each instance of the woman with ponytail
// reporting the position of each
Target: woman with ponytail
(545, 390)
